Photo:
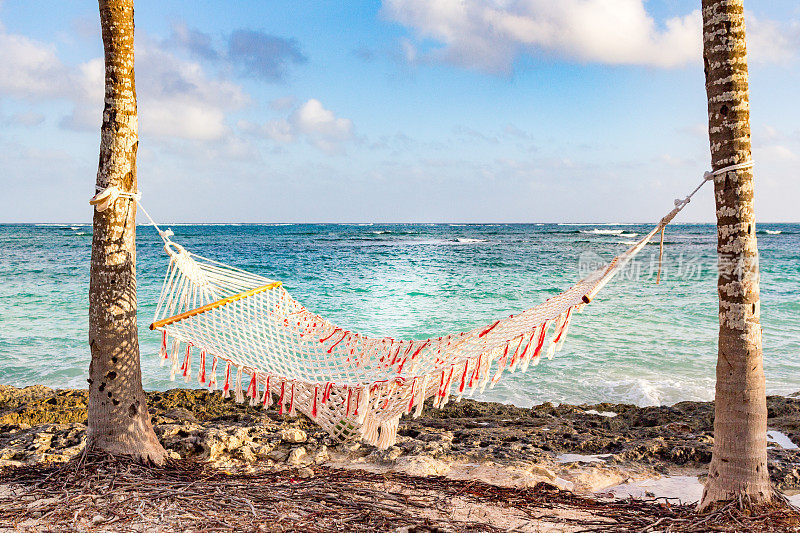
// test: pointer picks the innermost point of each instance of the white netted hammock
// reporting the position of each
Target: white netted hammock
(350, 384)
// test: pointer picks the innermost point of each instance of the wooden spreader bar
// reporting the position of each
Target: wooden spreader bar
(213, 305)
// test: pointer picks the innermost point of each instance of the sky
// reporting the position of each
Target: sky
(394, 110)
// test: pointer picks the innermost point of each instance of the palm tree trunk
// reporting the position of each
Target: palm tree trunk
(738, 469)
(119, 422)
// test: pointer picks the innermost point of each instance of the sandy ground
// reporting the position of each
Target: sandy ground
(470, 467)
(101, 494)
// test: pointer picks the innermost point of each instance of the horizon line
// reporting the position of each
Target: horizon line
(460, 222)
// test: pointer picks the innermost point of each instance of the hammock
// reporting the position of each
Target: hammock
(350, 384)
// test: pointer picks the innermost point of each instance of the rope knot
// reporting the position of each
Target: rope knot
(105, 198)
(710, 174)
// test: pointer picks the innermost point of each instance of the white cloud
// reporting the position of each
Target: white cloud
(88, 83)
(775, 146)
(771, 41)
(177, 98)
(777, 152)
(319, 126)
(490, 34)
(323, 129)
(29, 69)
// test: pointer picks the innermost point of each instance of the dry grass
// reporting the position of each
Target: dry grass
(98, 493)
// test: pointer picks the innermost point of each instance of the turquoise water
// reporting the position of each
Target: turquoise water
(637, 342)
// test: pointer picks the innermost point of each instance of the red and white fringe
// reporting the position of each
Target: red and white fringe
(212, 382)
(361, 403)
(267, 400)
(239, 394)
(201, 373)
(252, 390)
(226, 388)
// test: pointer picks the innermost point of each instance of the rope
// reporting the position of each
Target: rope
(352, 385)
(660, 256)
(681, 203)
(738, 166)
(105, 197)
(165, 234)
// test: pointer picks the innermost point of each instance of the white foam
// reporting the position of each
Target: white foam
(655, 390)
(686, 489)
(578, 458)
(597, 231)
(199, 224)
(467, 240)
(609, 414)
(776, 437)
(773, 232)
(57, 225)
(598, 224)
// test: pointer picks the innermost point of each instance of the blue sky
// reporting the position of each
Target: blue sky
(401, 110)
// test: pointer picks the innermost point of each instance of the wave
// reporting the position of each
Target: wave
(380, 232)
(597, 231)
(598, 224)
(467, 240)
(57, 225)
(477, 224)
(771, 232)
(656, 391)
(628, 235)
(200, 224)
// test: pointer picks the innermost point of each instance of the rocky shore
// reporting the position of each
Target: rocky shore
(585, 448)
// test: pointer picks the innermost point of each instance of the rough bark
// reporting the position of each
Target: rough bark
(119, 422)
(738, 469)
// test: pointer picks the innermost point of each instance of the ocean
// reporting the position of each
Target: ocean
(638, 342)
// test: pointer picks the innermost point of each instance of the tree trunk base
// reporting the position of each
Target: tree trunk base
(146, 451)
(716, 497)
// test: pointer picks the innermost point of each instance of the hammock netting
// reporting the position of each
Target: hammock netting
(272, 350)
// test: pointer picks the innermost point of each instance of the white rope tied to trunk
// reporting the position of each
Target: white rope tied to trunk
(106, 197)
(350, 384)
(710, 174)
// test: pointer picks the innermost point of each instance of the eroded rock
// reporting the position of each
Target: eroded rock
(293, 435)
(38, 424)
(298, 456)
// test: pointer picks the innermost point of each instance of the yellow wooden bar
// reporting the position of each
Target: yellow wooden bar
(213, 305)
